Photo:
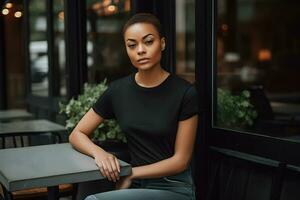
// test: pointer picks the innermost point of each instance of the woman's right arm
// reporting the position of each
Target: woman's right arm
(80, 139)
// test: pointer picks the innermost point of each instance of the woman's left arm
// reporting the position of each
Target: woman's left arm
(184, 144)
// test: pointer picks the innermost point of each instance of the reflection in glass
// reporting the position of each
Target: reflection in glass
(258, 66)
(59, 48)
(185, 39)
(38, 47)
(106, 54)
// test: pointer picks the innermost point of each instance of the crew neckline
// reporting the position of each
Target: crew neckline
(149, 88)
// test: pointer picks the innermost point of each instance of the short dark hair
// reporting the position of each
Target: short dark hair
(143, 18)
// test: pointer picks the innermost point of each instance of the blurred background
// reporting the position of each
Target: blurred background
(242, 55)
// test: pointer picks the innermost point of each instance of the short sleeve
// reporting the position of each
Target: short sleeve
(189, 104)
(103, 106)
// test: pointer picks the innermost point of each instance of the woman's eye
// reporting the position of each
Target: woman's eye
(131, 45)
(149, 42)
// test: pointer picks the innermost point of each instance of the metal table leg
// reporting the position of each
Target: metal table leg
(75, 190)
(53, 193)
(7, 194)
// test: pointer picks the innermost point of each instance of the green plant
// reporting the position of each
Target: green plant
(235, 111)
(76, 108)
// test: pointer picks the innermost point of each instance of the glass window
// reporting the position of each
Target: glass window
(59, 47)
(185, 39)
(106, 53)
(38, 47)
(258, 66)
(13, 45)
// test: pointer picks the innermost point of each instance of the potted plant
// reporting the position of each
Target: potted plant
(235, 111)
(108, 135)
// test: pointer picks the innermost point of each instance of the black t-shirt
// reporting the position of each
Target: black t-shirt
(148, 116)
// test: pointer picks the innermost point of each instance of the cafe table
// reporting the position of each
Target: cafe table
(290, 109)
(14, 114)
(30, 127)
(47, 166)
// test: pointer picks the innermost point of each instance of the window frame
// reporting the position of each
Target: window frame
(45, 106)
(275, 148)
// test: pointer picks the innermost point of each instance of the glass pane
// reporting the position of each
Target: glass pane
(13, 62)
(38, 47)
(185, 39)
(258, 66)
(59, 48)
(106, 53)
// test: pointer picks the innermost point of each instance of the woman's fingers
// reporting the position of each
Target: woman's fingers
(100, 165)
(106, 170)
(118, 165)
(113, 170)
(102, 171)
(109, 167)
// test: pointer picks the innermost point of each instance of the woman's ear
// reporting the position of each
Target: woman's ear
(163, 43)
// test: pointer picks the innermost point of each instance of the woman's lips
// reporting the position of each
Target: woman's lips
(143, 60)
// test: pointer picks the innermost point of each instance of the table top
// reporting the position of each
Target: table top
(29, 127)
(286, 108)
(48, 165)
(14, 114)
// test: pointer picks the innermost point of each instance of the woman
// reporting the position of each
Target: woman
(158, 113)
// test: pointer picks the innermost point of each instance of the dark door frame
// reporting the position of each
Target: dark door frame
(75, 20)
(203, 41)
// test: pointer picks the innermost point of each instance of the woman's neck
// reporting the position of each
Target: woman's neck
(151, 78)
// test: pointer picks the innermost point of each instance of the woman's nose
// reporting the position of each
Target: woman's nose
(141, 49)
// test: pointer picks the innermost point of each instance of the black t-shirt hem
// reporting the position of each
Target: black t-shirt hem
(99, 113)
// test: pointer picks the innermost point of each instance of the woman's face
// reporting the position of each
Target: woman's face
(144, 45)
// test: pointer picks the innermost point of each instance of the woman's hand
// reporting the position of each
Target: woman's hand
(109, 165)
(124, 182)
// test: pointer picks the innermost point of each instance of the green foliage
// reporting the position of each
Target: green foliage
(75, 109)
(235, 111)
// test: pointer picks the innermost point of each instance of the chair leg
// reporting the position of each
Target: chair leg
(3, 142)
(22, 141)
(2, 146)
(29, 140)
(15, 141)
(57, 137)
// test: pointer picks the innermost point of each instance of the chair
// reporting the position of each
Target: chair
(266, 121)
